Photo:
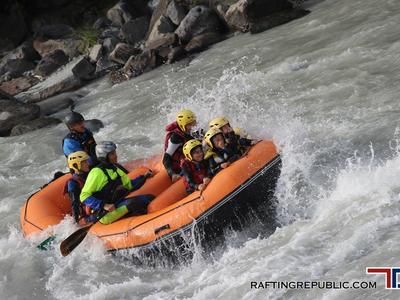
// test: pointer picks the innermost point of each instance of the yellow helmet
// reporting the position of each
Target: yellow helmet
(210, 134)
(189, 146)
(218, 122)
(185, 117)
(75, 159)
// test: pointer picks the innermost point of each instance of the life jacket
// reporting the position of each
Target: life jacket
(113, 190)
(178, 156)
(197, 170)
(85, 139)
(84, 210)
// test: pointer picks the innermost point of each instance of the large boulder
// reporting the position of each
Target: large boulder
(160, 10)
(202, 41)
(25, 51)
(61, 81)
(84, 69)
(18, 85)
(135, 30)
(144, 62)
(51, 63)
(96, 52)
(54, 31)
(70, 46)
(16, 67)
(169, 39)
(123, 52)
(176, 12)
(244, 12)
(199, 20)
(102, 23)
(162, 27)
(13, 113)
(56, 103)
(32, 125)
(125, 11)
(110, 43)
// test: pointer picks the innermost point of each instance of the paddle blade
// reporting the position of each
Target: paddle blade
(71, 242)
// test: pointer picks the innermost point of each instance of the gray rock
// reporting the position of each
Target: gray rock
(125, 11)
(160, 10)
(25, 51)
(135, 30)
(161, 28)
(55, 104)
(16, 67)
(123, 52)
(112, 32)
(51, 63)
(241, 14)
(199, 20)
(18, 85)
(110, 43)
(13, 113)
(84, 70)
(175, 54)
(96, 52)
(70, 46)
(34, 125)
(61, 81)
(176, 12)
(144, 62)
(54, 31)
(202, 41)
(168, 39)
(102, 23)
(152, 4)
(104, 65)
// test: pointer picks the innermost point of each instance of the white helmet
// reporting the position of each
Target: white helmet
(104, 148)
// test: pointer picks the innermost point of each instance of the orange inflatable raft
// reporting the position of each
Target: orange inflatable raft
(242, 188)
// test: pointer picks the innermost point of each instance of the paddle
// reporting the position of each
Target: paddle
(71, 242)
(46, 244)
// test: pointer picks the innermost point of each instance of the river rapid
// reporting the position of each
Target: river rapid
(324, 88)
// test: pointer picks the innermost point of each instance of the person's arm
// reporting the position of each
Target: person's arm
(188, 177)
(214, 166)
(74, 192)
(174, 142)
(245, 142)
(95, 181)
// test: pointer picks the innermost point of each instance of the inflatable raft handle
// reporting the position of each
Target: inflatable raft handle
(159, 229)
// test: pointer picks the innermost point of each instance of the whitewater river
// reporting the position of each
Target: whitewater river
(325, 88)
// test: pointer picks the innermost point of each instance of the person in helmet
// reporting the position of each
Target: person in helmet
(195, 169)
(78, 164)
(107, 185)
(235, 141)
(79, 137)
(220, 155)
(178, 133)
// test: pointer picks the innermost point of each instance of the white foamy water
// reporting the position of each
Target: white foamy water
(324, 88)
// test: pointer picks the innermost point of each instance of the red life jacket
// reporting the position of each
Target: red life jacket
(197, 170)
(178, 155)
(84, 210)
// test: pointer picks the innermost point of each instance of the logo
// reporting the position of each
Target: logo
(391, 276)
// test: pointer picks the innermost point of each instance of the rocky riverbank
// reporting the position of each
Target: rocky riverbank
(49, 49)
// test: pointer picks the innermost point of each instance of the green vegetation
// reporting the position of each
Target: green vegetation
(88, 36)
